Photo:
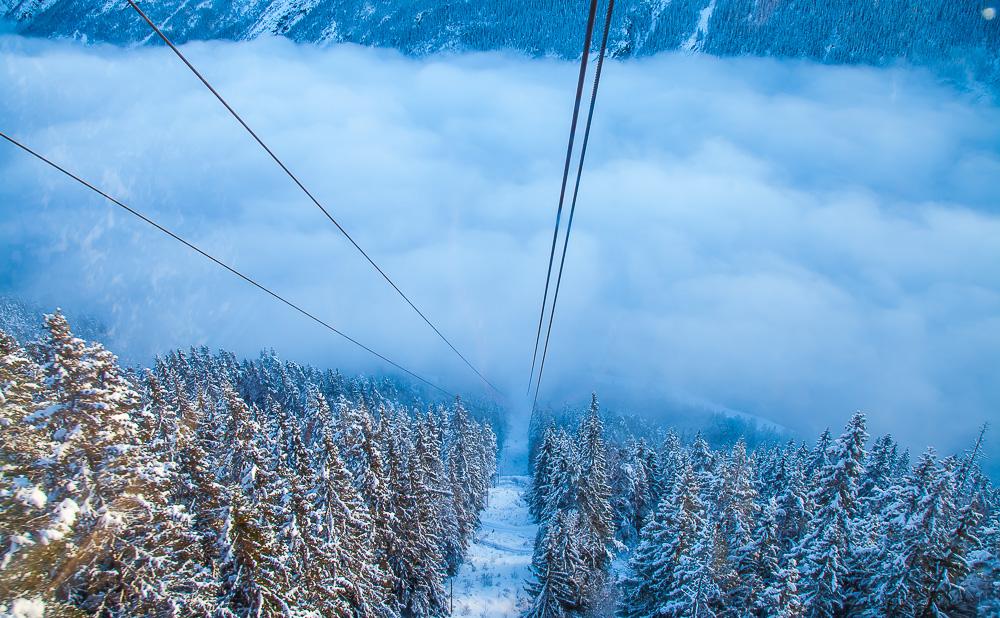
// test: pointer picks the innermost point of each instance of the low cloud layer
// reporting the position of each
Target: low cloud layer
(790, 240)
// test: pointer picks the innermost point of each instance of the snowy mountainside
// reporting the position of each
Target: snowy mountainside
(837, 31)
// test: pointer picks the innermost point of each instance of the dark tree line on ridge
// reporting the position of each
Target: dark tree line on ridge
(848, 527)
(945, 33)
(208, 486)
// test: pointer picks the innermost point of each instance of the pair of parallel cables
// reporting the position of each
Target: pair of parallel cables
(588, 39)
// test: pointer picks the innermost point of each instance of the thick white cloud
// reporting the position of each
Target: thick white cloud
(792, 240)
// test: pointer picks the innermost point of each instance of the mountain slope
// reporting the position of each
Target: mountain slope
(835, 31)
(491, 581)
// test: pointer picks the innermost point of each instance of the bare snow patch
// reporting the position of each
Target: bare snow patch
(24, 608)
(491, 581)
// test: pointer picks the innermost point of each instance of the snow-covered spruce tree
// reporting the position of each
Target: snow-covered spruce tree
(670, 462)
(487, 450)
(311, 557)
(419, 562)
(20, 387)
(696, 591)
(158, 417)
(819, 457)
(733, 524)
(703, 461)
(159, 567)
(353, 423)
(108, 540)
(449, 528)
(396, 445)
(781, 598)
(646, 494)
(630, 483)
(255, 567)
(885, 564)
(25, 484)
(537, 496)
(828, 550)
(465, 483)
(558, 569)
(879, 471)
(919, 567)
(759, 561)
(564, 479)
(22, 445)
(198, 487)
(91, 421)
(945, 594)
(594, 500)
(676, 533)
(354, 584)
(983, 584)
(792, 513)
(380, 475)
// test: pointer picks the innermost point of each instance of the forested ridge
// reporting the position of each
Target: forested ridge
(845, 527)
(948, 33)
(209, 486)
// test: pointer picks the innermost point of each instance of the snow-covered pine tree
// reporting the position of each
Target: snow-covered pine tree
(945, 594)
(152, 563)
(537, 496)
(255, 568)
(25, 485)
(645, 495)
(198, 486)
(157, 417)
(630, 488)
(826, 594)
(827, 550)
(353, 423)
(311, 558)
(759, 562)
(927, 546)
(819, 456)
(677, 530)
(793, 504)
(695, 591)
(20, 379)
(670, 462)
(733, 524)
(564, 478)
(879, 470)
(594, 502)
(464, 483)
(419, 561)
(703, 462)
(781, 598)
(558, 569)
(380, 476)
(91, 420)
(354, 585)
(487, 450)
(887, 564)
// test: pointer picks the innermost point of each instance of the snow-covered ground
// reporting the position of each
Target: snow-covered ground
(491, 582)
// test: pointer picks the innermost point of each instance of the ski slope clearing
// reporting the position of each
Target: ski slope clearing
(491, 581)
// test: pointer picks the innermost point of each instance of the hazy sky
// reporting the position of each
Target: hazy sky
(786, 239)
